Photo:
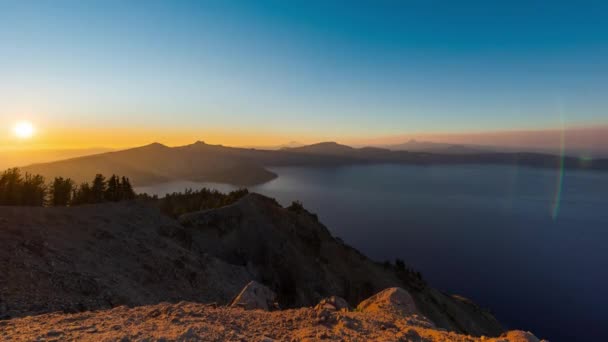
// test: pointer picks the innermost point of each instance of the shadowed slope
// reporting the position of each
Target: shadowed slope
(295, 255)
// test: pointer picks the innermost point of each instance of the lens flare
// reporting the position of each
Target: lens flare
(560, 177)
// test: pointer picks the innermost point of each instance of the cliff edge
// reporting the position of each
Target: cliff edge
(99, 257)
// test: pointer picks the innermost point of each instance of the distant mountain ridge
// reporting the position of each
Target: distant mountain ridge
(24, 157)
(327, 148)
(413, 145)
(157, 163)
(441, 148)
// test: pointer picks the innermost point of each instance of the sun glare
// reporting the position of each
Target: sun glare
(23, 130)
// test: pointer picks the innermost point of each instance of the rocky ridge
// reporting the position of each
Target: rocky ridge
(99, 257)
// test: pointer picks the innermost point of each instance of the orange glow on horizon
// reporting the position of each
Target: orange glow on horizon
(118, 138)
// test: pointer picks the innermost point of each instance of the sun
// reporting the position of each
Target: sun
(24, 130)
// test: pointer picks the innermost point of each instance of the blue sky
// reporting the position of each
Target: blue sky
(305, 68)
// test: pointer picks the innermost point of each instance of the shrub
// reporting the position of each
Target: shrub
(296, 206)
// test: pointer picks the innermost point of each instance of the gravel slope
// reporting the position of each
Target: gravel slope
(198, 322)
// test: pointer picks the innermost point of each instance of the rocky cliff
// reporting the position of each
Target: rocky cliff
(296, 256)
(103, 256)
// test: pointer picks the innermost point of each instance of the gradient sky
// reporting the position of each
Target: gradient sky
(119, 73)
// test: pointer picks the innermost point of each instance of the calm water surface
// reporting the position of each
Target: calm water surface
(528, 244)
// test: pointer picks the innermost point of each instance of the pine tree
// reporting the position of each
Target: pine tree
(113, 191)
(33, 190)
(61, 191)
(127, 192)
(82, 194)
(98, 189)
(10, 187)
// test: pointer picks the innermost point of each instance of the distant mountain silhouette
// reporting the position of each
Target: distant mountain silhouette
(441, 148)
(595, 150)
(290, 144)
(23, 157)
(331, 148)
(156, 163)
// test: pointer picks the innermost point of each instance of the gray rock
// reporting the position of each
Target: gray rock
(333, 303)
(255, 296)
(520, 336)
(394, 300)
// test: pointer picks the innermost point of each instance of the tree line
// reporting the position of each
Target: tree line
(179, 203)
(17, 189)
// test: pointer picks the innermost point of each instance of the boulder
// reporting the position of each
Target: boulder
(255, 296)
(517, 336)
(393, 300)
(333, 303)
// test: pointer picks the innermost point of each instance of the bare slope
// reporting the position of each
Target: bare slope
(100, 256)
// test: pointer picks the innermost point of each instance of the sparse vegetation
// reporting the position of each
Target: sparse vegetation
(296, 206)
(179, 203)
(405, 273)
(17, 189)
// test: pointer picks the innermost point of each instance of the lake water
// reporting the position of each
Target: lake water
(528, 244)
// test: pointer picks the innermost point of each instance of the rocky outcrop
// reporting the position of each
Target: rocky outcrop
(395, 300)
(289, 251)
(520, 336)
(333, 303)
(297, 257)
(255, 296)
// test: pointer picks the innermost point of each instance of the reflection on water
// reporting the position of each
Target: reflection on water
(485, 232)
